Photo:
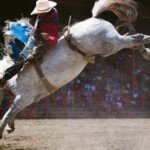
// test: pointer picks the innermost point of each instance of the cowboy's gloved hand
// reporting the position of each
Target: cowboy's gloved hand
(45, 36)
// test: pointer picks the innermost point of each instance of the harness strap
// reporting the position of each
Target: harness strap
(88, 58)
(48, 86)
(74, 47)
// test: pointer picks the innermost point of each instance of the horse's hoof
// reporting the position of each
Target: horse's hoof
(146, 54)
(10, 130)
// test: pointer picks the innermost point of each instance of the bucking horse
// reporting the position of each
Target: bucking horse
(63, 62)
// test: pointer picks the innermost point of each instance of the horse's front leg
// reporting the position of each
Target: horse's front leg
(19, 103)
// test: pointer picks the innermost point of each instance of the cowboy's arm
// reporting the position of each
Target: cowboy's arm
(51, 37)
(51, 34)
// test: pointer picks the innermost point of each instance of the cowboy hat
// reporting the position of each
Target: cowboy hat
(43, 6)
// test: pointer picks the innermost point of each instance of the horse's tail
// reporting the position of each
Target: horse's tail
(125, 10)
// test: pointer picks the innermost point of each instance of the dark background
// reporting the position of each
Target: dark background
(79, 9)
(12, 9)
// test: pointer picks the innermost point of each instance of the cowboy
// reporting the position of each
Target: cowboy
(46, 32)
(46, 23)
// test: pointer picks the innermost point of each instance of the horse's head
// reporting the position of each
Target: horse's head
(20, 30)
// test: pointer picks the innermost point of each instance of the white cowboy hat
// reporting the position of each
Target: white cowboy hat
(43, 6)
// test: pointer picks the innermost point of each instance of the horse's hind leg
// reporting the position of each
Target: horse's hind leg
(135, 40)
(18, 104)
(144, 51)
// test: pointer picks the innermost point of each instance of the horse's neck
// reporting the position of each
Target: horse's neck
(61, 64)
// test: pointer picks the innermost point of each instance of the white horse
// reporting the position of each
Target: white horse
(62, 64)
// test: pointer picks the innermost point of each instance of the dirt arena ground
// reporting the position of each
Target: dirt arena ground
(79, 134)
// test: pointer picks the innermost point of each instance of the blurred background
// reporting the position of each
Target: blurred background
(116, 86)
